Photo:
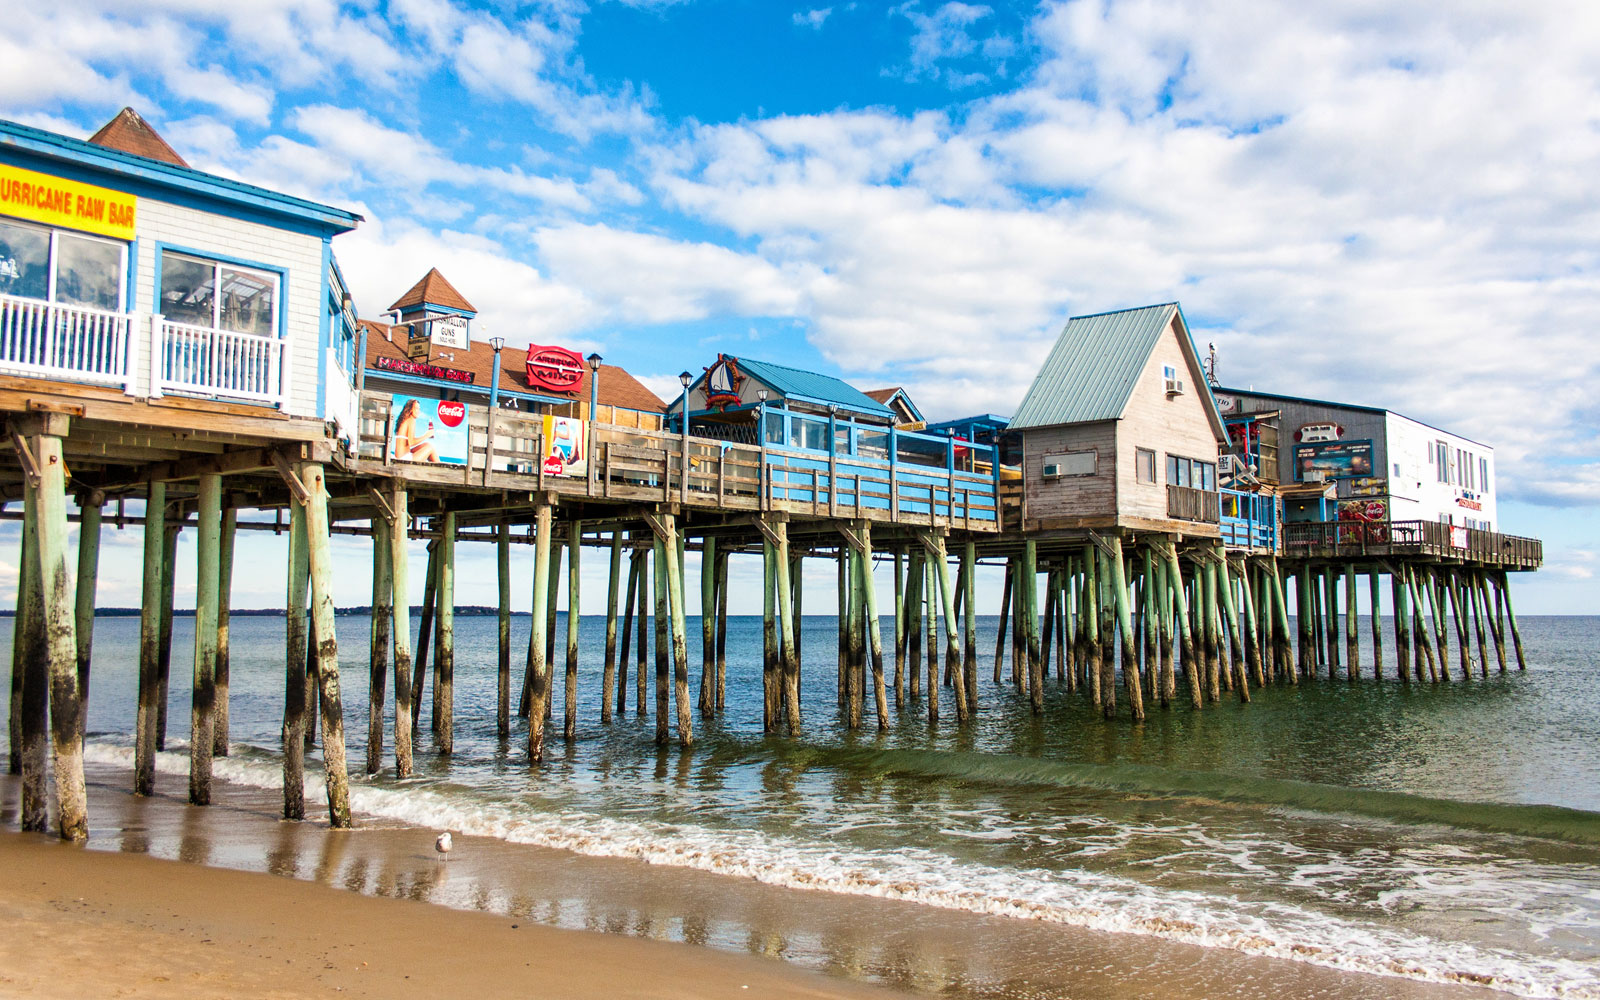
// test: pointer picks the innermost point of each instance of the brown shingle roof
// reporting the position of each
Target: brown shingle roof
(130, 133)
(617, 387)
(884, 395)
(433, 290)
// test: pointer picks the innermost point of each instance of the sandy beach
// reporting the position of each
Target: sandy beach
(171, 900)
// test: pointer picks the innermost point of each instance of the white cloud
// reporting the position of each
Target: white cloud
(813, 18)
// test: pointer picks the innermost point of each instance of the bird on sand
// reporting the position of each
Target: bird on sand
(443, 845)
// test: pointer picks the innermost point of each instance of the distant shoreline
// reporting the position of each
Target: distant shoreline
(361, 610)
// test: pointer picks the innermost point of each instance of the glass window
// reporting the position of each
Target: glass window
(1172, 469)
(1145, 465)
(1207, 475)
(88, 272)
(218, 296)
(1483, 474)
(40, 263)
(24, 261)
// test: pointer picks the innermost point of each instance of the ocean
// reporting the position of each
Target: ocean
(1443, 833)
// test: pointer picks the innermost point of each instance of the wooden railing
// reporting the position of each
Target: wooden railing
(633, 464)
(1427, 538)
(67, 342)
(196, 359)
(1185, 503)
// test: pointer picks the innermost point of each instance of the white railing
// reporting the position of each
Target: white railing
(196, 359)
(72, 343)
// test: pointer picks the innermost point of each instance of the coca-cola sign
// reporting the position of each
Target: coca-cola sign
(554, 368)
(451, 413)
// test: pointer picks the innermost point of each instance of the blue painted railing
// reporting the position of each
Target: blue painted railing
(840, 466)
(1249, 520)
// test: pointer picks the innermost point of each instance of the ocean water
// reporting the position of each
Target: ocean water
(1444, 833)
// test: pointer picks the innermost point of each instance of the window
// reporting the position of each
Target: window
(218, 296)
(1483, 474)
(1191, 472)
(1068, 463)
(1441, 461)
(1144, 463)
(60, 266)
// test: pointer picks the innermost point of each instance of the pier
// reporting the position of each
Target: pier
(225, 383)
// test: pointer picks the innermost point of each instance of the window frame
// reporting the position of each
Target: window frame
(53, 257)
(1139, 456)
(279, 274)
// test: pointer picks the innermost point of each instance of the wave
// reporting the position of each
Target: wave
(1092, 900)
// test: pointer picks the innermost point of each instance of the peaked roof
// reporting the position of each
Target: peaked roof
(813, 387)
(132, 134)
(1096, 362)
(433, 290)
(888, 396)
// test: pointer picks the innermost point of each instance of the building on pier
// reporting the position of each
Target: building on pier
(896, 398)
(1341, 461)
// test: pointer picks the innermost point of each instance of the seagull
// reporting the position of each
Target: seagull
(442, 845)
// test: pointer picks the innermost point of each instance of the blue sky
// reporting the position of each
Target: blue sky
(1390, 204)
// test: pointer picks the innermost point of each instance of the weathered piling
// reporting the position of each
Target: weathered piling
(430, 594)
(295, 652)
(223, 671)
(202, 740)
(538, 665)
(930, 590)
(1212, 636)
(969, 645)
(952, 631)
(1402, 621)
(83, 608)
(1124, 611)
(1252, 635)
(1235, 631)
(502, 568)
(851, 599)
(1352, 642)
(169, 558)
(722, 627)
(1496, 624)
(663, 651)
(400, 626)
(378, 644)
(444, 657)
(327, 646)
(608, 673)
(1511, 618)
(144, 746)
(1030, 611)
(880, 696)
(1163, 608)
(1005, 613)
(18, 661)
(1374, 594)
(899, 629)
(680, 642)
(769, 639)
(33, 691)
(708, 624)
(788, 634)
(642, 653)
(630, 597)
(913, 606)
(569, 703)
(842, 560)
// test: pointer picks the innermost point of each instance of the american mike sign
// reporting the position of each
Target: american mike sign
(554, 368)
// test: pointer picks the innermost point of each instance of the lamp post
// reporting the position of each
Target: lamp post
(684, 378)
(594, 401)
(494, 377)
(761, 442)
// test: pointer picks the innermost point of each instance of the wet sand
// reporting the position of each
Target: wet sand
(361, 910)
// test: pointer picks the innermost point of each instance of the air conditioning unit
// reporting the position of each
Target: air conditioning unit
(1051, 470)
(1174, 386)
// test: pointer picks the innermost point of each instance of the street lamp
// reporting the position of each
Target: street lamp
(594, 402)
(684, 378)
(594, 383)
(494, 376)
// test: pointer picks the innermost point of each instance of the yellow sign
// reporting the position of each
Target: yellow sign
(69, 204)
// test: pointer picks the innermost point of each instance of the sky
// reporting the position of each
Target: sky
(1388, 204)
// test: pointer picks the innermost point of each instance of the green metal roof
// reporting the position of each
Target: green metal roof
(813, 387)
(1091, 372)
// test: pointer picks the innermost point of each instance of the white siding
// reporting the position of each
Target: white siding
(1415, 492)
(206, 232)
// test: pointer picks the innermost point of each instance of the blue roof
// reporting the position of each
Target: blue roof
(104, 160)
(812, 387)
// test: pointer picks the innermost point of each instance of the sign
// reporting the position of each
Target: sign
(1314, 433)
(1333, 460)
(565, 447)
(1363, 510)
(427, 430)
(1367, 487)
(1458, 536)
(722, 382)
(1227, 404)
(69, 204)
(1469, 504)
(554, 368)
(449, 331)
(423, 370)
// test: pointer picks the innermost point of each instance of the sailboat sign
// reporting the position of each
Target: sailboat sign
(723, 381)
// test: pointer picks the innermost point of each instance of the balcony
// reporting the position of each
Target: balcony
(1186, 503)
(70, 343)
(1435, 539)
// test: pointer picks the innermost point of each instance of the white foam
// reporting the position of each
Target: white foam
(1093, 900)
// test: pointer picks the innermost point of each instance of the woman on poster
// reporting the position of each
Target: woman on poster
(409, 446)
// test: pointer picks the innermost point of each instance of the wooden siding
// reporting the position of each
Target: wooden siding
(1070, 496)
(1175, 425)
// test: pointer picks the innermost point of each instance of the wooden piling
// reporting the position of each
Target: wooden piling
(844, 662)
(327, 648)
(1005, 613)
(202, 739)
(899, 629)
(1230, 613)
(1162, 581)
(642, 653)
(538, 665)
(797, 592)
(930, 591)
(952, 630)
(33, 691)
(430, 596)
(662, 639)
(552, 610)
(1480, 614)
(1253, 637)
(880, 696)
(502, 574)
(608, 675)
(295, 653)
(144, 747)
(83, 608)
(1330, 591)
(914, 580)
(1496, 626)
(680, 643)
(722, 629)
(1511, 619)
(708, 624)
(19, 639)
(378, 646)
(969, 646)
(1210, 631)
(1420, 624)
(630, 596)
(788, 632)
(1402, 620)
(1374, 594)
(569, 701)
(1352, 641)
(1124, 613)
(769, 639)
(444, 657)
(1030, 590)
(400, 626)
(853, 598)
(169, 559)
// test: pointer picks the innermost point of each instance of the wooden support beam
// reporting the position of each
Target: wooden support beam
(202, 739)
(680, 644)
(295, 653)
(30, 693)
(400, 628)
(853, 597)
(1091, 615)
(911, 683)
(1235, 632)
(788, 634)
(155, 532)
(642, 654)
(930, 589)
(842, 560)
(223, 670)
(1124, 610)
(1374, 596)
(502, 569)
(662, 614)
(708, 624)
(1402, 620)
(1030, 609)
(419, 675)
(769, 636)
(569, 702)
(880, 695)
(444, 659)
(608, 676)
(83, 607)
(327, 646)
(722, 628)
(169, 556)
(538, 665)
(1511, 618)
(935, 543)
(969, 646)
(1161, 586)
(378, 642)
(899, 629)
(620, 703)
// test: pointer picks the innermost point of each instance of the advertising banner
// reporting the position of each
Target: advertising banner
(56, 201)
(1333, 460)
(565, 447)
(428, 430)
(450, 331)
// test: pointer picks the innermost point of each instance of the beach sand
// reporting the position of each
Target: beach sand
(170, 900)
